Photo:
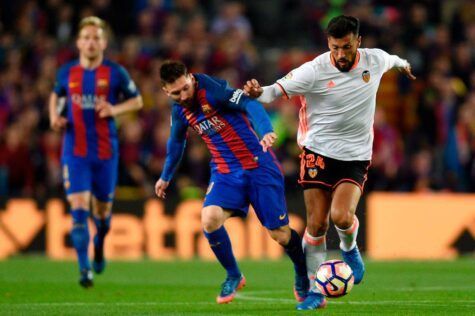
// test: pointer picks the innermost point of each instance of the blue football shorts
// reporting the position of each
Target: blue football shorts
(262, 187)
(90, 174)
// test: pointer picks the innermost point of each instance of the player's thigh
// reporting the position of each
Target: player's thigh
(347, 191)
(267, 195)
(228, 191)
(345, 200)
(104, 179)
(317, 205)
(77, 181)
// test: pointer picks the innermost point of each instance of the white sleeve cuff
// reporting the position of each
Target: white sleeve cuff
(270, 93)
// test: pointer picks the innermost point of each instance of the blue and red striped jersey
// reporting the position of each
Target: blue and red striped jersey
(226, 120)
(88, 135)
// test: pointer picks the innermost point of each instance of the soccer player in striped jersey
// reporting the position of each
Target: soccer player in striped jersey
(338, 95)
(244, 169)
(93, 88)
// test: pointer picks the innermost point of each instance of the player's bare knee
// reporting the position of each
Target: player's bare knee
(342, 219)
(101, 209)
(317, 228)
(281, 235)
(79, 201)
(212, 218)
(317, 225)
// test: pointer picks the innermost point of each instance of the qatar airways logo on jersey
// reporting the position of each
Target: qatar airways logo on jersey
(87, 101)
(209, 126)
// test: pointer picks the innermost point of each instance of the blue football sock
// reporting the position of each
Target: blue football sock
(221, 245)
(80, 237)
(102, 227)
(295, 251)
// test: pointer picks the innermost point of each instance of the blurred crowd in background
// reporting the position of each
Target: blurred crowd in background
(424, 129)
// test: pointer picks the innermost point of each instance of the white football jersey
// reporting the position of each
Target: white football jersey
(337, 113)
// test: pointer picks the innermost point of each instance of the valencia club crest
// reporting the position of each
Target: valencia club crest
(366, 76)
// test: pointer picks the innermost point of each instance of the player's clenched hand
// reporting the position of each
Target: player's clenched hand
(104, 109)
(57, 123)
(268, 140)
(253, 89)
(408, 72)
(160, 188)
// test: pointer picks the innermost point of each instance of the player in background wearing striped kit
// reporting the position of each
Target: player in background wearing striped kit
(93, 88)
(244, 170)
(338, 96)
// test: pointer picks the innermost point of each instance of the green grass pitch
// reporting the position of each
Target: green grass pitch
(37, 286)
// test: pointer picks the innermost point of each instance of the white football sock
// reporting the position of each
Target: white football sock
(348, 236)
(315, 249)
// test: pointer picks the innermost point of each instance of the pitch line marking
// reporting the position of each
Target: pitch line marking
(248, 297)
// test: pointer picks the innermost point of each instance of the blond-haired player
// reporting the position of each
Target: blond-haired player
(96, 90)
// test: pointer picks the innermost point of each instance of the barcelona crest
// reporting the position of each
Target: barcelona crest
(102, 83)
(206, 108)
(366, 76)
(312, 172)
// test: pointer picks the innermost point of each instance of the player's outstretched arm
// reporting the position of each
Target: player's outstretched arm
(105, 109)
(57, 122)
(175, 148)
(266, 94)
(259, 117)
(394, 61)
(253, 89)
(407, 71)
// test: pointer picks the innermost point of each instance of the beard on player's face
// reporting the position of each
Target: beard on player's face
(188, 103)
(182, 90)
(344, 64)
(344, 50)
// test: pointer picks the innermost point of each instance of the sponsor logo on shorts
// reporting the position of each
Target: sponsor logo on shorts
(366, 76)
(312, 172)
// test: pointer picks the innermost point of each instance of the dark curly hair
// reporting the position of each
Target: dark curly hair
(343, 25)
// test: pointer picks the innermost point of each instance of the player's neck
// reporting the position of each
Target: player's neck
(90, 63)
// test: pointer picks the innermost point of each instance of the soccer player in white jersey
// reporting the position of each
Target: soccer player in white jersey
(338, 94)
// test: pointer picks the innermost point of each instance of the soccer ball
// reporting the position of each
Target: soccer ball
(334, 278)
